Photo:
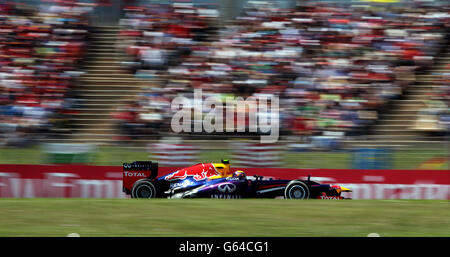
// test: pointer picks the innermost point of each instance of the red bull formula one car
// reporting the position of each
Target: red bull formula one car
(215, 180)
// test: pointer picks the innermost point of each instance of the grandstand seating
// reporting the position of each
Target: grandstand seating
(104, 88)
(391, 104)
(115, 102)
(407, 120)
(40, 51)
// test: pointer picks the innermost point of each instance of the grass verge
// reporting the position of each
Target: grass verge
(223, 218)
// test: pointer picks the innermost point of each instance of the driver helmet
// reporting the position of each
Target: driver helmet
(239, 174)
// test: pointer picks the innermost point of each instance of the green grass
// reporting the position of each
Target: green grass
(223, 218)
(30, 155)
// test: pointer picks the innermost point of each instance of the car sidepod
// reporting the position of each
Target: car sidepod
(222, 188)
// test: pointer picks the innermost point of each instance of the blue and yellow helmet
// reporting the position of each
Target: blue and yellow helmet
(239, 174)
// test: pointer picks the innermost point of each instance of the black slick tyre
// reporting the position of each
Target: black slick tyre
(296, 190)
(143, 188)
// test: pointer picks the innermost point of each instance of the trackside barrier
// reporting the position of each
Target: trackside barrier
(83, 181)
(173, 154)
(256, 155)
(369, 158)
(60, 153)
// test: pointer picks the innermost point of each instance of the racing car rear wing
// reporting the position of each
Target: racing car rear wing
(137, 170)
(143, 166)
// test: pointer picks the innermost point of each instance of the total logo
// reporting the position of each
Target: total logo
(330, 197)
(134, 174)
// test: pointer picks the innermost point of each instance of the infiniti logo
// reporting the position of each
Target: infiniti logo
(227, 187)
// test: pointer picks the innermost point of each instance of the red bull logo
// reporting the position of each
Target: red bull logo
(198, 172)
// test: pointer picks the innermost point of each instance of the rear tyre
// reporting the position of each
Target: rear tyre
(143, 188)
(296, 190)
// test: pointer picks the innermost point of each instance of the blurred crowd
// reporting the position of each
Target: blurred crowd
(333, 68)
(434, 114)
(40, 50)
(159, 39)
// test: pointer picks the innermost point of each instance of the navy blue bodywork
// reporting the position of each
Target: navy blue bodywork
(234, 187)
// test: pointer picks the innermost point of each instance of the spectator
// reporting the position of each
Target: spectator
(334, 68)
(39, 54)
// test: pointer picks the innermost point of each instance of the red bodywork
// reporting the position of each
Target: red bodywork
(130, 177)
(199, 172)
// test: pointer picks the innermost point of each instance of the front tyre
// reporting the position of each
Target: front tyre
(296, 190)
(143, 188)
